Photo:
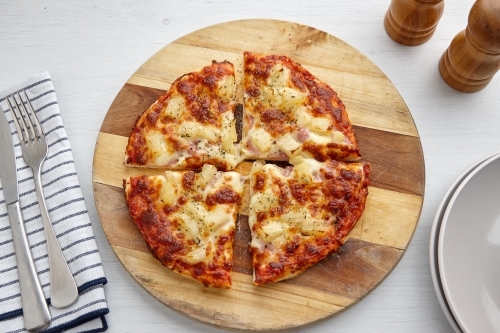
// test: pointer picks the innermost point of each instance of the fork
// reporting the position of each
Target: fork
(34, 147)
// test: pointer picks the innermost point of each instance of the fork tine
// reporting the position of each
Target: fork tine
(33, 137)
(21, 118)
(41, 135)
(20, 131)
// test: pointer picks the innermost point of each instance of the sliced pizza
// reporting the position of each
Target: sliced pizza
(190, 125)
(299, 215)
(188, 220)
(289, 112)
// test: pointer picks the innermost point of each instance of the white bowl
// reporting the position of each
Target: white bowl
(433, 245)
(469, 250)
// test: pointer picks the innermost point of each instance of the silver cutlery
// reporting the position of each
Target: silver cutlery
(63, 289)
(35, 309)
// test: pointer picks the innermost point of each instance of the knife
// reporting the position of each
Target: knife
(35, 310)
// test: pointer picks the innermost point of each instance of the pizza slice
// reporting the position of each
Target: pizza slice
(299, 215)
(288, 112)
(190, 125)
(188, 220)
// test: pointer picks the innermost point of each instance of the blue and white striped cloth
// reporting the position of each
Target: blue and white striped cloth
(70, 219)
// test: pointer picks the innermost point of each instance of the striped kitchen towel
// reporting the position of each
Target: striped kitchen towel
(70, 220)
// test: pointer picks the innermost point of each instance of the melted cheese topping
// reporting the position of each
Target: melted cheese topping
(190, 125)
(188, 220)
(297, 215)
(204, 223)
(290, 110)
(294, 219)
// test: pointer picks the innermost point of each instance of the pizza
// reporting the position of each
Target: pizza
(190, 125)
(289, 112)
(188, 220)
(301, 214)
(298, 214)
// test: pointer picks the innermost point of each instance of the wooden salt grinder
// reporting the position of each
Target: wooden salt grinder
(473, 57)
(413, 22)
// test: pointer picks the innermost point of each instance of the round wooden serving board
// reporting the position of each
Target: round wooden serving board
(387, 137)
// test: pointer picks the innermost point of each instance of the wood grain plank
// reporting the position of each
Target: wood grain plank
(293, 301)
(358, 268)
(396, 159)
(389, 218)
(244, 306)
(127, 106)
(115, 219)
(308, 45)
(371, 99)
(397, 167)
(131, 101)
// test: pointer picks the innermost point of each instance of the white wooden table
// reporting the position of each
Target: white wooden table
(90, 49)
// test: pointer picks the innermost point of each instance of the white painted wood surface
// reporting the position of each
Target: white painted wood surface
(90, 49)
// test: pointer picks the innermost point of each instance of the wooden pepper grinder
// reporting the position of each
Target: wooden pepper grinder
(473, 56)
(413, 22)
